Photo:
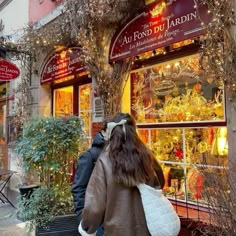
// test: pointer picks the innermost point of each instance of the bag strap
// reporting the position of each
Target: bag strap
(156, 178)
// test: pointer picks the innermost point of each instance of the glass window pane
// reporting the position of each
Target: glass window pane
(85, 106)
(195, 185)
(206, 146)
(176, 91)
(174, 181)
(188, 157)
(63, 101)
(144, 135)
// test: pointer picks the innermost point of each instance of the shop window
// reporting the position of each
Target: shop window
(85, 107)
(75, 99)
(63, 101)
(183, 152)
(176, 91)
(180, 114)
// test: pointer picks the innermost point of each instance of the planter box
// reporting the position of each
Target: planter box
(66, 225)
(27, 190)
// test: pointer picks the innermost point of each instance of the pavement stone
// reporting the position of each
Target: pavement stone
(9, 224)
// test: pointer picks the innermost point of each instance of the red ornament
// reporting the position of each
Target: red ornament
(179, 153)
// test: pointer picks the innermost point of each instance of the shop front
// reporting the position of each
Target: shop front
(179, 108)
(71, 87)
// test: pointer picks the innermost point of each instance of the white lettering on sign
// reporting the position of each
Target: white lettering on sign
(143, 34)
(7, 70)
(181, 20)
(159, 28)
(73, 61)
(155, 27)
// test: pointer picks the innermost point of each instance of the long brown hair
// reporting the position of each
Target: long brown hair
(132, 162)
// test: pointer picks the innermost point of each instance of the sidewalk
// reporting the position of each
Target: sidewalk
(9, 224)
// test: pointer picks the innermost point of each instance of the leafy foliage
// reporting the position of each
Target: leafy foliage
(38, 209)
(49, 147)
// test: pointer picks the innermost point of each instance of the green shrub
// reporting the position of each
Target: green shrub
(49, 147)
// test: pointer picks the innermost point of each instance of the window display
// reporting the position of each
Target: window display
(185, 108)
(176, 91)
(185, 151)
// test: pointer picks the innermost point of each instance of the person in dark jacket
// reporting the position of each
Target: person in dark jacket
(85, 165)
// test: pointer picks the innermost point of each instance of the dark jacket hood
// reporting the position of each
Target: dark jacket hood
(98, 140)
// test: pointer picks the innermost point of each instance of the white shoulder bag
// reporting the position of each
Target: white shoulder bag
(161, 217)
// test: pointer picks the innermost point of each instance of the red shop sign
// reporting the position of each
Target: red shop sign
(8, 70)
(61, 64)
(160, 25)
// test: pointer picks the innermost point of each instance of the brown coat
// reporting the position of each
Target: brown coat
(116, 207)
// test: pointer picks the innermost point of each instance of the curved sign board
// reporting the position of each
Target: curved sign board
(161, 24)
(61, 64)
(8, 70)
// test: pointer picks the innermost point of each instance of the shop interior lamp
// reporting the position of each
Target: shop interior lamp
(222, 143)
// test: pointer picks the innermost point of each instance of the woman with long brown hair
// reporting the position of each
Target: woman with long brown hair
(112, 197)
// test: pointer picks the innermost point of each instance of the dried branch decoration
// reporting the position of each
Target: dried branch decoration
(218, 45)
(23, 96)
(219, 50)
(92, 25)
(89, 24)
(220, 195)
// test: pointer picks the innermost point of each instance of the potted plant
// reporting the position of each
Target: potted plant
(48, 148)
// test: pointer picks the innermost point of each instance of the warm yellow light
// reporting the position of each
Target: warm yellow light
(222, 144)
(147, 2)
(176, 64)
(125, 105)
(59, 47)
(63, 55)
